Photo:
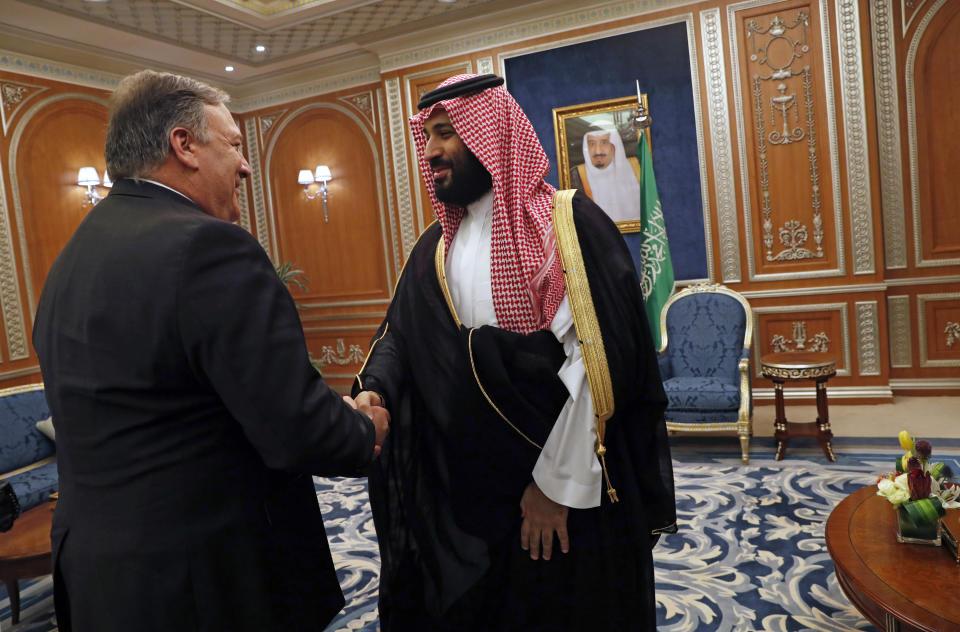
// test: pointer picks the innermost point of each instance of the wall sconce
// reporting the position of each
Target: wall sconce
(88, 177)
(322, 175)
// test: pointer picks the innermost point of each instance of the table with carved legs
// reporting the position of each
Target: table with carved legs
(794, 366)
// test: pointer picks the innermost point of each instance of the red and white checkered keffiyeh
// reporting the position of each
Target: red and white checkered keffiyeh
(526, 276)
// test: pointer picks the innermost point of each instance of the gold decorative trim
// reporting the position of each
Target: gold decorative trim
(261, 231)
(798, 373)
(585, 321)
(487, 397)
(27, 468)
(581, 304)
(868, 338)
(388, 178)
(386, 328)
(439, 262)
(402, 176)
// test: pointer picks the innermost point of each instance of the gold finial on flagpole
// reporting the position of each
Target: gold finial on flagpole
(642, 120)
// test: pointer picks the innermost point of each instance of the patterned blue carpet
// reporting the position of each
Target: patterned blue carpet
(750, 554)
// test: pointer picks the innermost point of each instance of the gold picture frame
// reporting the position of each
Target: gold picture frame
(571, 123)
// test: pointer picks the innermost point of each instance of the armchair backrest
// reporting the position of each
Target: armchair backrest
(704, 329)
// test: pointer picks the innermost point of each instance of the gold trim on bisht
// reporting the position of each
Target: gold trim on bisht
(440, 262)
(585, 321)
(386, 328)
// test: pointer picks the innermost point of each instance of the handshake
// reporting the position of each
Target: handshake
(370, 404)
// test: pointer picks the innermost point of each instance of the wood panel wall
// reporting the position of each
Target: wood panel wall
(50, 130)
(827, 163)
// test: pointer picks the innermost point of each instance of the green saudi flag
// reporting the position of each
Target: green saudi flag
(656, 279)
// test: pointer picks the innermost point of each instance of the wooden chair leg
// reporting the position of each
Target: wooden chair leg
(14, 592)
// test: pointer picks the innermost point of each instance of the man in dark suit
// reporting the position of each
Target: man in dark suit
(188, 416)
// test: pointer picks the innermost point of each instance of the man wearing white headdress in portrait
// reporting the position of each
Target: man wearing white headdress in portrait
(608, 176)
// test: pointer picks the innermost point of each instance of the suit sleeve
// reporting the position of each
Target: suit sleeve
(242, 334)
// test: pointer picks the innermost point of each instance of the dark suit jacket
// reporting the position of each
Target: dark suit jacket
(188, 421)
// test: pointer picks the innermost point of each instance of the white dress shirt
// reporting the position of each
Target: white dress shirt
(568, 470)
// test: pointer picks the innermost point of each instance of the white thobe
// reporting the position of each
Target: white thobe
(567, 471)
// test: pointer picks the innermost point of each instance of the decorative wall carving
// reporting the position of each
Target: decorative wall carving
(343, 355)
(363, 103)
(952, 330)
(868, 343)
(949, 303)
(888, 134)
(820, 342)
(266, 123)
(244, 220)
(898, 319)
(485, 65)
(855, 136)
(12, 96)
(778, 37)
(401, 174)
(843, 368)
(721, 145)
(389, 177)
(908, 11)
(262, 233)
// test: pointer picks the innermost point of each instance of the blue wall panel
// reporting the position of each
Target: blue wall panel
(608, 69)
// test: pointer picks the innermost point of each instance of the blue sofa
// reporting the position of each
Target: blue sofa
(27, 456)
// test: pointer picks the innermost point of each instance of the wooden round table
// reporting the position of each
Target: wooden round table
(801, 365)
(25, 551)
(902, 587)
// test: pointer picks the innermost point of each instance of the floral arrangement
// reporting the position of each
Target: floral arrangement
(920, 488)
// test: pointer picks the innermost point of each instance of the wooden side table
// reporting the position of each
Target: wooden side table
(801, 365)
(25, 551)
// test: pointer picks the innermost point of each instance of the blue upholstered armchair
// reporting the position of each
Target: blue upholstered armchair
(705, 332)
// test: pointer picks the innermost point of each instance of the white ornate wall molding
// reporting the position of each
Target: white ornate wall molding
(868, 338)
(16, 331)
(832, 145)
(855, 136)
(814, 291)
(687, 19)
(262, 231)
(721, 144)
(265, 124)
(401, 168)
(307, 90)
(542, 26)
(796, 309)
(485, 65)
(888, 134)
(10, 304)
(374, 150)
(923, 328)
(389, 178)
(362, 102)
(899, 332)
(914, 6)
(933, 280)
(412, 100)
(38, 67)
(13, 96)
(244, 208)
(912, 139)
(926, 384)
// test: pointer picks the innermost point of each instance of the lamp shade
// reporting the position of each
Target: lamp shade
(305, 177)
(107, 182)
(87, 176)
(323, 174)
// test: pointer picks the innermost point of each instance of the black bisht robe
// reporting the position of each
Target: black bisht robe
(446, 489)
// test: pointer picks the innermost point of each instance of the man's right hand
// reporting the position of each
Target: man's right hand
(370, 404)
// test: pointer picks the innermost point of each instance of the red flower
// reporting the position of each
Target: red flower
(919, 483)
(913, 464)
(923, 449)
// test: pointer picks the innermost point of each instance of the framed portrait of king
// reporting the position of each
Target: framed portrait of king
(597, 153)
